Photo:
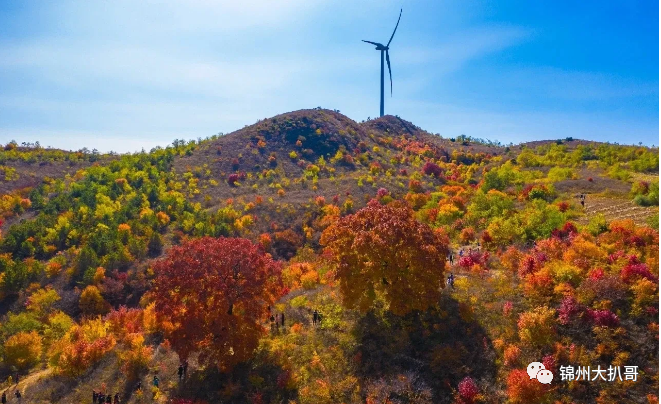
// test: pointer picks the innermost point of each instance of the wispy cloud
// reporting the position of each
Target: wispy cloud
(455, 50)
(161, 69)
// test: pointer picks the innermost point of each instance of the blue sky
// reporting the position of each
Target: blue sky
(124, 74)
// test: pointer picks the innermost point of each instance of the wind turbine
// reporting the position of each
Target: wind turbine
(384, 48)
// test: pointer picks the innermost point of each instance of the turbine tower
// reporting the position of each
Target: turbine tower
(384, 49)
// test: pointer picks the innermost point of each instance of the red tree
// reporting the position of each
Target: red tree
(468, 390)
(432, 169)
(232, 179)
(521, 389)
(212, 294)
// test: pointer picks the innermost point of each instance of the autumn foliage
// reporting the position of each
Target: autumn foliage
(81, 347)
(23, 350)
(383, 250)
(521, 389)
(84, 284)
(213, 293)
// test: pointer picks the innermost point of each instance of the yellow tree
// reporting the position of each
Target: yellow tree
(383, 250)
(91, 302)
(23, 350)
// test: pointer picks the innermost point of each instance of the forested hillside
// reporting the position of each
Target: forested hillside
(305, 259)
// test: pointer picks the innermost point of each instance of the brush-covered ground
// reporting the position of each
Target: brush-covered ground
(111, 268)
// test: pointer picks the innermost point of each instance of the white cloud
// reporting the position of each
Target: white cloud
(163, 17)
(150, 71)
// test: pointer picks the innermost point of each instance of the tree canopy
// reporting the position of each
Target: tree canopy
(215, 293)
(383, 250)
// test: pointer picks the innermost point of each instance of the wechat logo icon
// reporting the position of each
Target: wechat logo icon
(536, 370)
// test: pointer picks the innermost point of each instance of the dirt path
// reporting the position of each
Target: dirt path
(615, 209)
(26, 382)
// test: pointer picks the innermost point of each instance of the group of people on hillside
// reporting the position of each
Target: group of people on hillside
(316, 317)
(101, 398)
(581, 197)
(462, 252)
(277, 320)
(17, 393)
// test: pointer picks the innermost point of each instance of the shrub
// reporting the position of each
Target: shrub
(155, 245)
(58, 324)
(265, 241)
(521, 389)
(415, 186)
(603, 318)
(634, 271)
(286, 242)
(382, 192)
(468, 390)
(163, 218)
(310, 279)
(42, 301)
(511, 258)
(537, 327)
(432, 169)
(560, 173)
(136, 358)
(92, 303)
(563, 206)
(233, 179)
(23, 350)
(81, 347)
(646, 194)
(511, 355)
(569, 309)
(467, 235)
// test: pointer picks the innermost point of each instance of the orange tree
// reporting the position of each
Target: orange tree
(212, 295)
(383, 250)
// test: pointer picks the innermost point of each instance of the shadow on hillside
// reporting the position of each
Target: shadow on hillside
(7, 303)
(438, 346)
(258, 380)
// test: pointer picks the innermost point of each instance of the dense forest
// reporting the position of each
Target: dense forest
(305, 259)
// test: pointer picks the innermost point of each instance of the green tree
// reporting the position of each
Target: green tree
(155, 246)
(86, 259)
(488, 205)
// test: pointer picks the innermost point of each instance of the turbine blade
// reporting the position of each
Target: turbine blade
(373, 43)
(389, 71)
(393, 33)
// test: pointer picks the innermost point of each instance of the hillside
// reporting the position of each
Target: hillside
(108, 267)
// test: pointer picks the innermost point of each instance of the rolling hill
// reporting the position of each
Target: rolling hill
(85, 237)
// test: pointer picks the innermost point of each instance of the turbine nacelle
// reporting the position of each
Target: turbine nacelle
(379, 46)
